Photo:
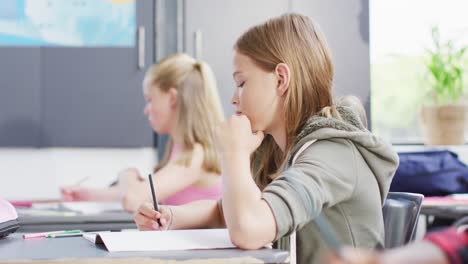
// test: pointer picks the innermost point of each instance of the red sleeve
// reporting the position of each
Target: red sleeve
(452, 243)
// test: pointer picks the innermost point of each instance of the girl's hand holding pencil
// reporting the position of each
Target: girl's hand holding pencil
(152, 216)
(146, 218)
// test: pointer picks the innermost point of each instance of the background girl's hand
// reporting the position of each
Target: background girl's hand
(76, 193)
(235, 135)
(146, 217)
(133, 196)
(129, 174)
(131, 186)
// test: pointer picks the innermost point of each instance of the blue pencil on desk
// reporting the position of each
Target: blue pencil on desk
(70, 233)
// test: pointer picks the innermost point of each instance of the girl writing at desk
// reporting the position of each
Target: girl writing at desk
(290, 153)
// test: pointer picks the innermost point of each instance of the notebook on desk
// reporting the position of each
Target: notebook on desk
(162, 240)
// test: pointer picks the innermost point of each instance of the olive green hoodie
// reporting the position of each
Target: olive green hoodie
(345, 175)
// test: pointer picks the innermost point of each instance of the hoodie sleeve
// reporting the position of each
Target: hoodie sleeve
(322, 176)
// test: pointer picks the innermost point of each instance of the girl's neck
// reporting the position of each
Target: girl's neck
(277, 128)
(174, 133)
(177, 144)
(176, 150)
(278, 133)
(177, 141)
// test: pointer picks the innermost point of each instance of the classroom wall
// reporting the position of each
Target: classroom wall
(38, 173)
(77, 96)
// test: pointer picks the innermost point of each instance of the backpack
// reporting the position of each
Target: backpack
(431, 173)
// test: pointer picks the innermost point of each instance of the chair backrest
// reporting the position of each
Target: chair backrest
(401, 212)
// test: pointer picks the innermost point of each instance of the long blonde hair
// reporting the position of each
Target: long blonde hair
(297, 41)
(198, 106)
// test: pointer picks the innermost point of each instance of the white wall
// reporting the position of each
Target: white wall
(29, 173)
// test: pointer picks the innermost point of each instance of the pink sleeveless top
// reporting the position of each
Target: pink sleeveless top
(190, 193)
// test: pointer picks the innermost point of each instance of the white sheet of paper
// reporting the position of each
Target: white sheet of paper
(91, 207)
(91, 237)
(163, 240)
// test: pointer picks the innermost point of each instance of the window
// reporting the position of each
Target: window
(400, 33)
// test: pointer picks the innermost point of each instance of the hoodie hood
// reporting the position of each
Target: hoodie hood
(379, 155)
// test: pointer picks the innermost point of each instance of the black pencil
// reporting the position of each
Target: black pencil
(155, 200)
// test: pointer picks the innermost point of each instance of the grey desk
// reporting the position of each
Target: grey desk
(106, 221)
(14, 247)
(446, 211)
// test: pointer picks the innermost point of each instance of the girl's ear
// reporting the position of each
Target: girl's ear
(283, 75)
(172, 97)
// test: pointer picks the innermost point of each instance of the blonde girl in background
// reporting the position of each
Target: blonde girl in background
(182, 101)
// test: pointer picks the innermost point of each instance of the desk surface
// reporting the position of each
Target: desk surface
(445, 211)
(106, 221)
(14, 247)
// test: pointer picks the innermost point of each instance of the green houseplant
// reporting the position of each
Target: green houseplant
(443, 120)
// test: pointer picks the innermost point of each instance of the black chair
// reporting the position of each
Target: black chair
(401, 213)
